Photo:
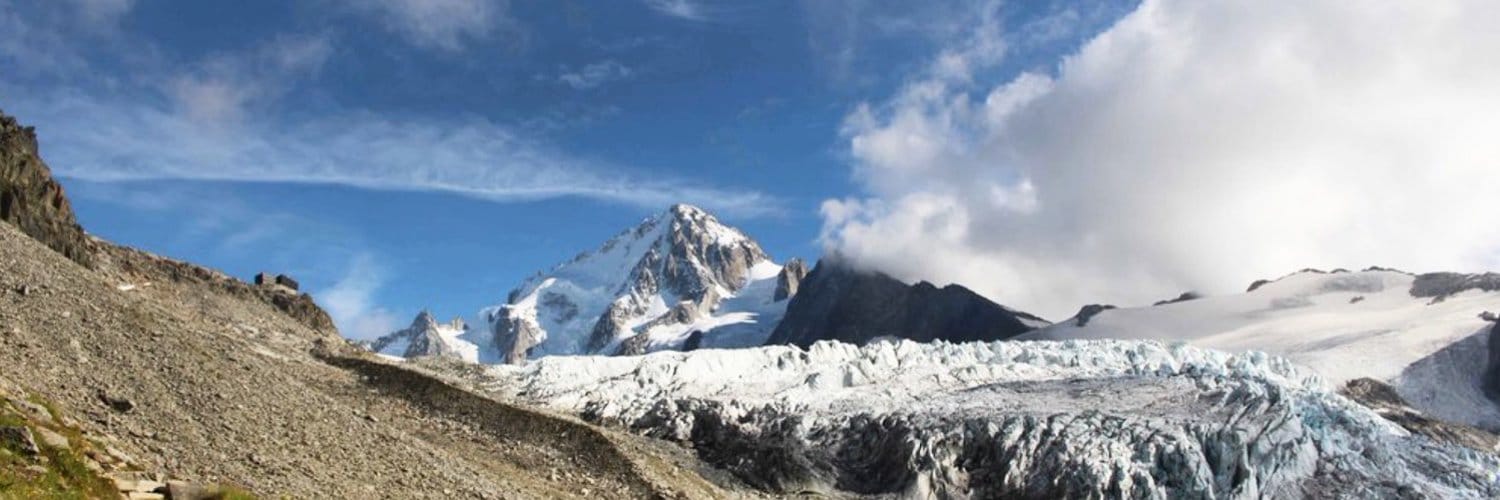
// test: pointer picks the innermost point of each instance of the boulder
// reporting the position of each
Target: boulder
(18, 438)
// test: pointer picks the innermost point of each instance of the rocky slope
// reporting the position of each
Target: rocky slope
(31, 200)
(187, 373)
(648, 288)
(839, 302)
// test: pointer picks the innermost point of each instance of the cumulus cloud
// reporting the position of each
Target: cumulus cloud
(351, 301)
(1192, 145)
(220, 88)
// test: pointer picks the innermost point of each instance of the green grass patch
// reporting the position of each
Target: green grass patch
(57, 473)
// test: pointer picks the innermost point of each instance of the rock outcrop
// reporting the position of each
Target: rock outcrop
(839, 302)
(1088, 312)
(425, 337)
(1186, 296)
(1440, 286)
(1491, 379)
(789, 279)
(1386, 402)
(32, 200)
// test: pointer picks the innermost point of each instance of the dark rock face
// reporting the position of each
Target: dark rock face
(1384, 399)
(1442, 285)
(789, 279)
(1492, 372)
(694, 341)
(1257, 284)
(32, 200)
(1088, 312)
(838, 302)
(1186, 296)
(514, 337)
(633, 346)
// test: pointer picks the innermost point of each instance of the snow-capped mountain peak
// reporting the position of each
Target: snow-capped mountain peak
(427, 337)
(648, 288)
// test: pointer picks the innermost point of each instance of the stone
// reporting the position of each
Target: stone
(19, 438)
(37, 412)
(119, 404)
(139, 483)
(183, 490)
(262, 279)
(52, 439)
(137, 495)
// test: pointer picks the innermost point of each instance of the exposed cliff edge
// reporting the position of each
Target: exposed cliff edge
(32, 200)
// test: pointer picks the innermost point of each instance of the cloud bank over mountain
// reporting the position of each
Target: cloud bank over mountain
(1192, 145)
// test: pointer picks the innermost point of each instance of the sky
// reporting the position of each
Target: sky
(395, 155)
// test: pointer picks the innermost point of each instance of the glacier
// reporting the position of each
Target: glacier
(1430, 344)
(1029, 419)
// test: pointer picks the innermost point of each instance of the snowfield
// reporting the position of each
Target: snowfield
(1342, 325)
(1081, 418)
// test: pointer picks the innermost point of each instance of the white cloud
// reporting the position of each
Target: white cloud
(131, 139)
(102, 13)
(594, 74)
(438, 24)
(683, 9)
(220, 88)
(351, 301)
(1192, 145)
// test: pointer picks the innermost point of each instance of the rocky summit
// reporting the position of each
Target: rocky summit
(838, 301)
(426, 337)
(647, 289)
(31, 200)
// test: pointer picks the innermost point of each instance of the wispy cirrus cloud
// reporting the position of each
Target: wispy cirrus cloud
(220, 119)
(130, 139)
(437, 24)
(682, 9)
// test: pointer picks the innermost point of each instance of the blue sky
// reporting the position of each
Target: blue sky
(395, 154)
(401, 154)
